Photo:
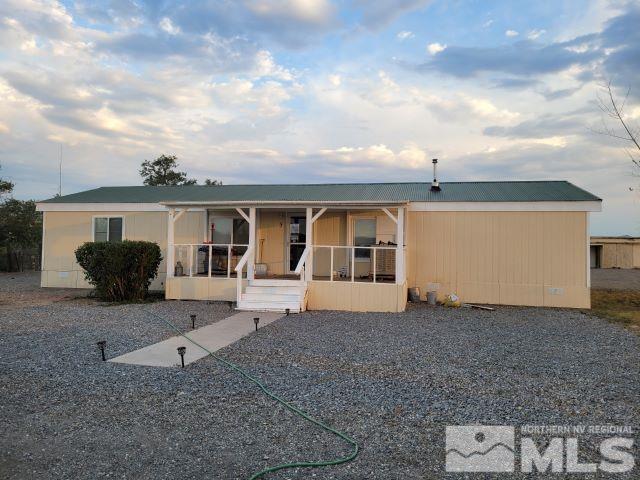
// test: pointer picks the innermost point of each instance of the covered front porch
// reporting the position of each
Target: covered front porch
(337, 257)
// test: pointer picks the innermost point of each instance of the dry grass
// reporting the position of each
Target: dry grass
(621, 306)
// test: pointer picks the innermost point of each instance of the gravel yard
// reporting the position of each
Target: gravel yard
(391, 381)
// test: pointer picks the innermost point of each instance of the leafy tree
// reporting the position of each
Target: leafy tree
(162, 171)
(5, 186)
(212, 183)
(20, 228)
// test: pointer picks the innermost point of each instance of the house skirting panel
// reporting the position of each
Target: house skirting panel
(356, 296)
(196, 288)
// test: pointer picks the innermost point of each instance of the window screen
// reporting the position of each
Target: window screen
(101, 230)
(115, 229)
(107, 229)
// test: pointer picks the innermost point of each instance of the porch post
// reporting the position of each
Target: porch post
(400, 246)
(308, 270)
(205, 218)
(252, 243)
(170, 240)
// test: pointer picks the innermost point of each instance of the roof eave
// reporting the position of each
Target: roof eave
(262, 203)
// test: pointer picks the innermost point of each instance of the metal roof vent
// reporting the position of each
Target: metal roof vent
(435, 186)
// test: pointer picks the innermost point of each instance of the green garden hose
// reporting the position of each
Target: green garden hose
(294, 409)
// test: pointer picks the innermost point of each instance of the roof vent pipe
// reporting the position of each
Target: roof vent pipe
(435, 186)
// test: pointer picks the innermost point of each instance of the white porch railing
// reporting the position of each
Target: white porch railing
(207, 259)
(300, 268)
(374, 264)
(243, 261)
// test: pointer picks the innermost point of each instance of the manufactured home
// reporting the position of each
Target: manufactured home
(355, 247)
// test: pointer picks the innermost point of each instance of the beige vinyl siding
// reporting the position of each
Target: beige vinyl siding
(199, 288)
(357, 297)
(271, 232)
(329, 229)
(512, 258)
(66, 231)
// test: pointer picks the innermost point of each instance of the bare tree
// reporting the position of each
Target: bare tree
(614, 109)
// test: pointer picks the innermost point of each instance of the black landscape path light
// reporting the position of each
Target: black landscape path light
(181, 351)
(256, 320)
(101, 344)
(193, 320)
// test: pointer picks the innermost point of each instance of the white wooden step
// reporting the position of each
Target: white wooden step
(268, 306)
(272, 297)
(276, 283)
(262, 289)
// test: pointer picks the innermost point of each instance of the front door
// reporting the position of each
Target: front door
(296, 240)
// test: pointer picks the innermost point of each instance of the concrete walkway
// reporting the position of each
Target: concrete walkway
(213, 337)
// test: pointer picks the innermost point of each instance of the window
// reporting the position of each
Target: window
(240, 231)
(108, 229)
(227, 230)
(221, 230)
(364, 235)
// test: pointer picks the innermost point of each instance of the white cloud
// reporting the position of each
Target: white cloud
(167, 25)
(557, 141)
(485, 108)
(266, 66)
(307, 11)
(534, 34)
(511, 33)
(404, 35)
(409, 157)
(488, 23)
(335, 80)
(411, 101)
(242, 98)
(434, 48)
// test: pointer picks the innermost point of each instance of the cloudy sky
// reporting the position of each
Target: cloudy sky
(251, 91)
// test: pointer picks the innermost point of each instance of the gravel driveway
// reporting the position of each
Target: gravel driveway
(391, 381)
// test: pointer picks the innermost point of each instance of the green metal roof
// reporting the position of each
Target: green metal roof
(524, 191)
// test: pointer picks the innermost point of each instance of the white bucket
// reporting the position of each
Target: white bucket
(432, 297)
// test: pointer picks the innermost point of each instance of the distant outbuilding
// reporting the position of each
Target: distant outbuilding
(615, 252)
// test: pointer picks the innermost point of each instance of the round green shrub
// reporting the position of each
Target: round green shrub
(120, 270)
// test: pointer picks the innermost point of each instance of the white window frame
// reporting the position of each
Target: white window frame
(93, 225)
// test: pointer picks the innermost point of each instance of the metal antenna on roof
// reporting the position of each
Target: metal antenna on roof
(60, 170)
